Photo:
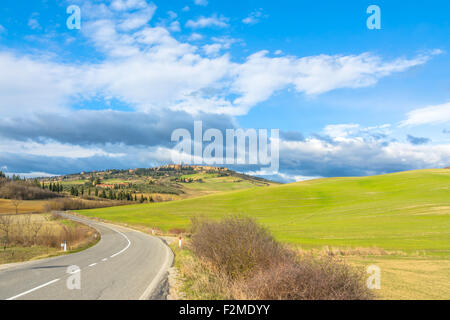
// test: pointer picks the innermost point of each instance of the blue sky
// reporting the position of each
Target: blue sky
(347, 100)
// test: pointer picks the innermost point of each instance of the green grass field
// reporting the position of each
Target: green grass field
(406, 214)
(215, 183)
(406, 211)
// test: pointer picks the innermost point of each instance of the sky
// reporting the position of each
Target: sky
(348, 100)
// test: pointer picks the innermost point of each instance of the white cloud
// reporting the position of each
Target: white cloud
(428, 115)
(34, 84)
(31, 175)
(54, 149)
(195, 36)
(341, 130)
(204, 22)
(212, 49)
(221, 43)
(138, 19)
(147, 69)
(226, 42)
(280, 176)
(357, 155)
(260, 76)
(122, 5)
(172, 15)
(201, 2)
(33, 23)
(175, 26)
(254, 17)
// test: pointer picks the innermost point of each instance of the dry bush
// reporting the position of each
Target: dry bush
(253, 266)
(235, 245)
(204, 283)
(49, 238)
(77, 204)
(177, 231)
(25, 231)
(308, 279)
(25, 191)
(54, 216)
(5, 228)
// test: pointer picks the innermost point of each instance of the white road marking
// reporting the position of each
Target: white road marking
(102, 224)
(56, 280)
(123, 250)
(34, 289)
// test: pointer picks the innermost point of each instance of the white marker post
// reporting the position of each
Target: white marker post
(64, 245)
(179, 242)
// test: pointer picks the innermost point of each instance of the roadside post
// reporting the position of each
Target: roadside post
(179, 242)
(64, 245)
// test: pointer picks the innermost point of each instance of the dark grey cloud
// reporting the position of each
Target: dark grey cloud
(328, 157)
(91, 127)
(417, 140)
(291, 135)
(26, 163)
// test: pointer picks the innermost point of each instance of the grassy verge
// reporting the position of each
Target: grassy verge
(238, 259)
(409, 278)
(25, 245)
(197, 282)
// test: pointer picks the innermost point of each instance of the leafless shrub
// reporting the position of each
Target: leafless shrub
(21, 230)
(235, 245)
(5, 227)
(35, 228)
(252, 265)
(23, 190)
(48, 238)
(77, 204)
(26, 231)
(308, 279)
(177, 231)
(16, 201)
(54, 216)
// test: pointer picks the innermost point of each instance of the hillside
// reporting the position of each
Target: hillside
(172, 182)
(407, 211)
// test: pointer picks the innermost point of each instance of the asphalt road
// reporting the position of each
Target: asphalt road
(124, 265)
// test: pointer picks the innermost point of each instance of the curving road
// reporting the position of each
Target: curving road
(124, 265)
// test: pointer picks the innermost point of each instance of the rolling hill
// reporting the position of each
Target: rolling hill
(160, 184)
(406, 211)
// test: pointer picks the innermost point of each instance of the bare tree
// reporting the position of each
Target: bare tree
(5, 226)
(17, 201)
(35, 227)
(25, 229)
